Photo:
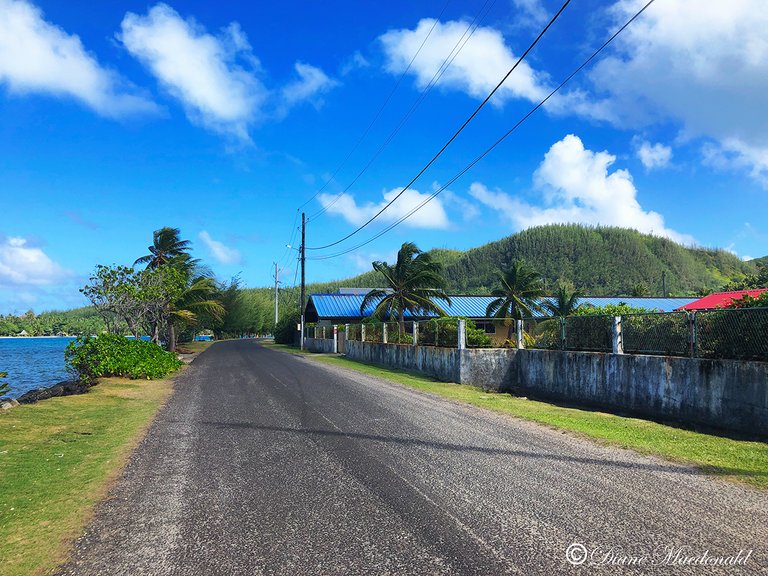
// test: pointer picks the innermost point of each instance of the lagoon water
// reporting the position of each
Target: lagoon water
(32, 363)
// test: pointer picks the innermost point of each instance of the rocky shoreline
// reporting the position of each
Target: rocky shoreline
(66, 388)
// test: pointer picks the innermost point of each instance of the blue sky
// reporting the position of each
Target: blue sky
(120, 118)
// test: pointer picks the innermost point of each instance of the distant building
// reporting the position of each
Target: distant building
(344, 308)
(23, 333)
(721, 299)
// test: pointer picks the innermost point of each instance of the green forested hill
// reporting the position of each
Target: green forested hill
(600, 260)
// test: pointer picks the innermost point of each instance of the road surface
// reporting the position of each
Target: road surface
(265, 462)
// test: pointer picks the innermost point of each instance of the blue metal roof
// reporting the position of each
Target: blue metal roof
(348, 305)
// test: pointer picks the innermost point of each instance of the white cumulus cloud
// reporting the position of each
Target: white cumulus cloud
(432, 215)
(37, 56)
(653, 155)
(218, 250)
(310, 85)
(477, 68)
(215, 77)
(576, 186)
(701, 65)
(21, 264)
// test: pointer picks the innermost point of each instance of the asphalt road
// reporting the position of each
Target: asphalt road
(268, 463)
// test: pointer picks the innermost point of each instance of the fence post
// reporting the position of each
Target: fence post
(692, 324)
(562, 333)
(617, 345)
(415, 333)
(384, 333)
(346, 331)
(362, 332)
(462, 334)
(519, 334)
(335, 339)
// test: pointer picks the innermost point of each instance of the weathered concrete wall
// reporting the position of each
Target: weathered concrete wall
(319, 345)
(489, 368)
(727, 394)
(441, 363)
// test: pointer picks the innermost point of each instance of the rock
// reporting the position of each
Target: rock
(6, 405)
(61, 389)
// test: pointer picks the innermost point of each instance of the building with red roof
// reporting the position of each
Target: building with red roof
(721, 299)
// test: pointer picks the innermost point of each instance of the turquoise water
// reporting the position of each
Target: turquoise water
(32, 363)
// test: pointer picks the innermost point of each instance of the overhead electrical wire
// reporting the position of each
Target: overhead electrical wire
(496, 143)
(294, 229)
(457, 48)
(380, 110)
(452, 138)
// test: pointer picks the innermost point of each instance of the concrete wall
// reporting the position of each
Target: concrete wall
(727, 394)
(441, 363)
(319, 345)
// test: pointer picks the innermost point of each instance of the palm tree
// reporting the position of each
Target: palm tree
(413, 285)
(200, 297)
(565, 302)
(166, 247)
(3, 385)
(521, 289)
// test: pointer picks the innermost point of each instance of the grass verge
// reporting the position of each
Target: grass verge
(735, 460)
(193, 347)
(57, 458)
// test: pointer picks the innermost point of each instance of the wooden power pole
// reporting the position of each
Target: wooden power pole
(301, 255)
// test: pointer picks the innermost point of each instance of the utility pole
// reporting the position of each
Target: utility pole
(301, 255)
(664, 283)
(277, 281)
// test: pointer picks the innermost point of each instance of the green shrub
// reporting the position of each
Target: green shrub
(115, 355)
(285, 330)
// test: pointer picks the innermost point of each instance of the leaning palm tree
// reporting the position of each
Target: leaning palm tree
(565, 302)
(200, 297)
(521, 289)
(413, 285)
(166, 246)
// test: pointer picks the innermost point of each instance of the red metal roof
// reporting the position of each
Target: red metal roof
(721, 299)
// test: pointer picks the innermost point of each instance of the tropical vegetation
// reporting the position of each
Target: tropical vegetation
(114, 355)
(413, 284)
(602, 261)
(518, 295)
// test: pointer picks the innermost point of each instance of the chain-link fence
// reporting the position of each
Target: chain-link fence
(726, 334)
(740, 333)
(667, 334)
(354, 333)
(591, 333)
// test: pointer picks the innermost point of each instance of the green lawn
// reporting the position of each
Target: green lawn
(56, 460)
(736, 460)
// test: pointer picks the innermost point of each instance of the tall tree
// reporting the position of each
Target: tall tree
(519, 294)
(414, 283)
(565, 302)
(166, 245)
(199, 297)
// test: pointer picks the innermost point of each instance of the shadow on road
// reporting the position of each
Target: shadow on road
(660, 467)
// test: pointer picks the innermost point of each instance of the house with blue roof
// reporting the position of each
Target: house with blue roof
(344, 307)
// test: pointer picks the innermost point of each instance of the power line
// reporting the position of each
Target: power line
(455, 135)
(496, 143)
(457, 48)
(380, 110)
